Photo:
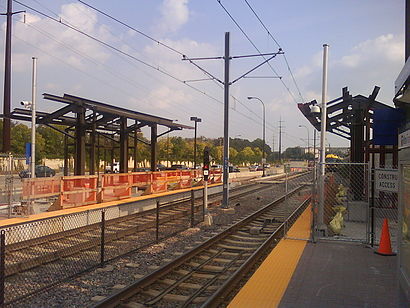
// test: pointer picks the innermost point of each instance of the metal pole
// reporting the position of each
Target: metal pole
(102, 238)
(307, 129)
(33, 119)
(192, 208)
(2, 265)
(280, 140)
(263, 134)
(323, 137)
(157, 223)
(196, 124)
(7, 81)
(225, 198)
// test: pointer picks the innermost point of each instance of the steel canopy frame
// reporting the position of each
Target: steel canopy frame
(88, 117)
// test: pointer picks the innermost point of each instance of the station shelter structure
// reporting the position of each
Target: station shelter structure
(85, 119)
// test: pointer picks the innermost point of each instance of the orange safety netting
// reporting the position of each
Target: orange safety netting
(40, 188)
(115, 186)
(78, 190)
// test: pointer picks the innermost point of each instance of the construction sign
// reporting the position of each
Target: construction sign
(386, 180)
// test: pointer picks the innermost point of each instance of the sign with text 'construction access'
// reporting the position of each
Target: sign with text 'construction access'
(386, 180)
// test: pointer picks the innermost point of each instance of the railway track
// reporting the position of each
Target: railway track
(209, 273)
(29, 254)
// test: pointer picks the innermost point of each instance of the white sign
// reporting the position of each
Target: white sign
(206, 172)
(386, 180)
(404, 139)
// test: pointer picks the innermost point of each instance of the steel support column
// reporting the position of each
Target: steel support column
(92, 148)
(65, 172)
(123, 146)
(135, 148)
(79, 168)
(154, 131)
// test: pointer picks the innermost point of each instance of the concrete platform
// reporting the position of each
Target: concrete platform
(343, 274)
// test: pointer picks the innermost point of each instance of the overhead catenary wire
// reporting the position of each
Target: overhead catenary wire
(256, 48)
(107, 45)
(277, 43)
(166, 46)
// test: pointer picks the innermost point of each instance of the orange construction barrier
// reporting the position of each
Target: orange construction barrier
(385, 244)
(77, 191)
(115, 186)
(40, 188)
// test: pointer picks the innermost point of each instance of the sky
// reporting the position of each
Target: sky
(366, 41)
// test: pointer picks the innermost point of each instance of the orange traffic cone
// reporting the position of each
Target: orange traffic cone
(385, 245)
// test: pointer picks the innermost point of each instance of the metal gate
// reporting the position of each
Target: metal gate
(341, 202)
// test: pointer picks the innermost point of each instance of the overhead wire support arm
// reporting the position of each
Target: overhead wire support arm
(256, 67)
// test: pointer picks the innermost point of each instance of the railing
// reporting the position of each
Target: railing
(75, 191)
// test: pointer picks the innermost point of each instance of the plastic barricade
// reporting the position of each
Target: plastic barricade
(77, 191)
(215, 176)
(159, 182)
(185, 178)
(40, 188)
(140, 179)
(115, 186)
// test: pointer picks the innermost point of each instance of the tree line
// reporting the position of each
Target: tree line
(50, 144)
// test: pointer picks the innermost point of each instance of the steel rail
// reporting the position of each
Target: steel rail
(229, 285)
(122, 295)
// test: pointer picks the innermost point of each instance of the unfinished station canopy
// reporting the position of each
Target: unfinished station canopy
(82, 117)
(371, 126)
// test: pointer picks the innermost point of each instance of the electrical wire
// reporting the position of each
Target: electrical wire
(60, 21)
(284, 55)
(159, 43)
(257, 49)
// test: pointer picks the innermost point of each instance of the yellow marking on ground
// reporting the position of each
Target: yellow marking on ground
(268, 284)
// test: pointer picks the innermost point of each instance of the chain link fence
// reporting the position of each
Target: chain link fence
(341, 209)
(384, 204)
(10, 186)
(42, 253)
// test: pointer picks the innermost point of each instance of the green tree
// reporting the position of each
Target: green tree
(54, 141)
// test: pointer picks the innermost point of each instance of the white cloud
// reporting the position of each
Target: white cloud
(385, 48)
(55, 40)
(165, 97)
(174, 14)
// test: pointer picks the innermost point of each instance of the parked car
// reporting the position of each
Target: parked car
(40, 171)
(178, 167)
(233, 169)
(161, 167)
(143, 169)
(253, 168)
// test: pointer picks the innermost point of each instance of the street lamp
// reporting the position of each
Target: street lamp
(32, 106)
(263, 146)
(196, 120)
(307, 129)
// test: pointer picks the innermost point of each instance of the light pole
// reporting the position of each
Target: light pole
(307, 129)
(196, 120)
(263, 146)
(32, 106)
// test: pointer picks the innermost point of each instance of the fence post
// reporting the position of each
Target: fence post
(192, 208)
(157, 223)
(372, 208)
(102, 237)
(204, 200)
(2, 265)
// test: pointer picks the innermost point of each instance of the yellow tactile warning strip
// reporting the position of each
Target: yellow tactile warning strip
(18, 220)
(268, 284)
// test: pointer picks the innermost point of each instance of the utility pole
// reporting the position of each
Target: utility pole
(33, 118)
(226, 83)
(273, 146)
(225, 189)
(7, 79)
(280, 139)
